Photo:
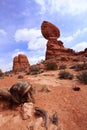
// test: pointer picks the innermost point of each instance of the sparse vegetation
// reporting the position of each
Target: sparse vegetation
(51, 66)
(62, 67)
(45, 89)
(79, 66)
(34, 70)
(20, 77)
(76, 88)
(65, 75)
(82, 77)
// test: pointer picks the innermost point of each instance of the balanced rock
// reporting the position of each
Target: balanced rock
(20, 62)
(49, 30)
(55, 48)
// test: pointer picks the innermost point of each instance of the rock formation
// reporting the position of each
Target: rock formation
(49, 30)
(20, 62)
(55, 49)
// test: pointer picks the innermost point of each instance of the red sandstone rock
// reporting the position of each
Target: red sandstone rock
(55, 49)
(49, 30)
(20, 62)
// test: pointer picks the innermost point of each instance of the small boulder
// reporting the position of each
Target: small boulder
(27, 110)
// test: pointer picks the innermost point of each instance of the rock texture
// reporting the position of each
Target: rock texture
(27, 110)
(55, 48)
(20, 62)
(49, 30)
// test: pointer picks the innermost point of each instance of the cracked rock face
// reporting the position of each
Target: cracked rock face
(49, 30)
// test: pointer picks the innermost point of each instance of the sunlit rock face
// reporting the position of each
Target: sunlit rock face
(20, 62)
(55, 48)
(49, 30)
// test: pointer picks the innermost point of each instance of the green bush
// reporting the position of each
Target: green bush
(51, 66)
(65, 75)
(82, 77)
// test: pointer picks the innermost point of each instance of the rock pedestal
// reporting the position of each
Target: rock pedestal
(55, 48)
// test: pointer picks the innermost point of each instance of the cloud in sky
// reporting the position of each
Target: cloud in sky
(33, 37)
(36, 44)
(70, 38)
(17, 52)
(63, 6)
(3, 32)
(20, 22)
(80, 46)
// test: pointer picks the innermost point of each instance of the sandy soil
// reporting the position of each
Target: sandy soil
(70, 105)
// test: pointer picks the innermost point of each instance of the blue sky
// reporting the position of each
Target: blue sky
(20, 24)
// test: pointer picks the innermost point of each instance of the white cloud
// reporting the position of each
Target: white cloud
(80, 46)
(79, 32)
(33, 37)
(34, 60)
(42, 4)
(63, 6)
(3, 32)
(67, 39)
(35, 42)
(26, 34)
(17, 52)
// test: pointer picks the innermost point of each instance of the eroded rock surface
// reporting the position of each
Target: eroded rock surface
(20, 62)
(55, 48)
(49, 30)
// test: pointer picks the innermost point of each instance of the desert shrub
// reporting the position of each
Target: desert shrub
(76, 88)
(79, 66)
(82, 77)
(45, 89)
(51, 66)
(1, 73)
(65, 75)
(28, 73)
(72, 67)
(34, 70)
(20, 77)
(62, 67)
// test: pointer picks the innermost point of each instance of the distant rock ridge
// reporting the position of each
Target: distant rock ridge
(20, 62)
(55, 48)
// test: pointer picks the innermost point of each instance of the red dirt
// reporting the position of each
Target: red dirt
(70, 105)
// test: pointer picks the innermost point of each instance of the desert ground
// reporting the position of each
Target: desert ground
(70, 105)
